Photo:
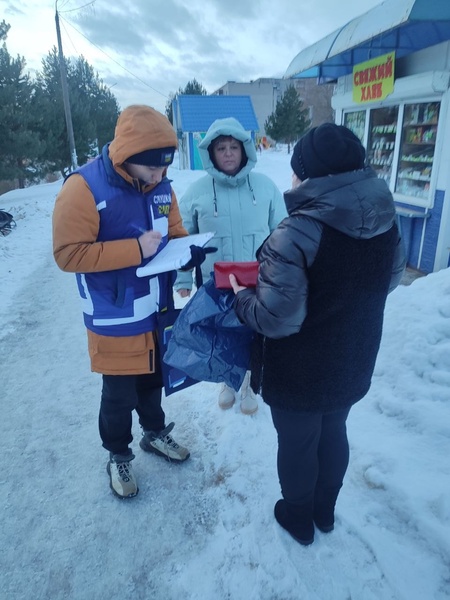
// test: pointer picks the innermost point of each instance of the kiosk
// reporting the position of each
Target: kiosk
(392, 72)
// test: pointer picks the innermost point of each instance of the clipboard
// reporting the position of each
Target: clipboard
(175, 254)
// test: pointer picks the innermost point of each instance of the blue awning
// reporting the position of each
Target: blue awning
(403, 26)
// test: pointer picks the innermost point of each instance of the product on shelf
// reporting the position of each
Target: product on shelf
(417, 149)
(403, 138)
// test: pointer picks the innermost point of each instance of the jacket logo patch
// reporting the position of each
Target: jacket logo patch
(164, 210)
(162, 199)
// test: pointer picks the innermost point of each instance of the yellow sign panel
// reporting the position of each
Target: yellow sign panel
(373, 80)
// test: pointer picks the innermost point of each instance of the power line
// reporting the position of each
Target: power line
(70, 39)
(113, 60)
(64, 3)
(78, 8)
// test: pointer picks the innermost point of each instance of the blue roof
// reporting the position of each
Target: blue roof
(198, 112)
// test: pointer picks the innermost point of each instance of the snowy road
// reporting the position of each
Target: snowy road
(205, 529)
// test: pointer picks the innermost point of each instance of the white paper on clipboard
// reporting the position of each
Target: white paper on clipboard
(174, 255)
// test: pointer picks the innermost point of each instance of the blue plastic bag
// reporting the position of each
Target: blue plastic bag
(174, 379)
(208, 341)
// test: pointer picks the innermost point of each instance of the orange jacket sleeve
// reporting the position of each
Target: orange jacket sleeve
(176, 228)
(75, 231)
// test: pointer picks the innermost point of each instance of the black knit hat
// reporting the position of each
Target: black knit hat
(155, 157)
(327, 150)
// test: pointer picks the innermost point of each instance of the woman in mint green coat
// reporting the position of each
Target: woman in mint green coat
(242, 208)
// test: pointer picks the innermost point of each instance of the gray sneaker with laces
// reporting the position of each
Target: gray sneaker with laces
(121, 477)
(163, 444)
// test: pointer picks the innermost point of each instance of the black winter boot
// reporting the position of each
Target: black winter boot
(324, 518)
(324, 504)
(297, 520)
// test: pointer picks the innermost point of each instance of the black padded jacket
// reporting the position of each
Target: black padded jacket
(324, 276)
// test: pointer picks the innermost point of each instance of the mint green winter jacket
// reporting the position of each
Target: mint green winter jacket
(241, 209)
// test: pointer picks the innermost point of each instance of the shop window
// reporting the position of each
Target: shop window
(356, 122)
(417, 149)
(400, 145)
(381, 142)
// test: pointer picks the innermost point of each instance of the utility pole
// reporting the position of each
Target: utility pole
(65, 91)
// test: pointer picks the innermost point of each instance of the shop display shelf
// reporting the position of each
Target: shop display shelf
(417, 159)
(423, 178)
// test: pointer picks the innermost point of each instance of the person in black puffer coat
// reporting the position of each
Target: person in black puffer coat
(324, 275)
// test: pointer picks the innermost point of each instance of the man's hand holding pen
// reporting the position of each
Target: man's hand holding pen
(149, 242)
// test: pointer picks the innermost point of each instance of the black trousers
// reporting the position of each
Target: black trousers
(121, 394)
(313, 455)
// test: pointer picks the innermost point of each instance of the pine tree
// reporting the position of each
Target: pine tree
(106, 111)
(20, 144)
(94, 111)
(289, 121)
(4, 28)
(96, 108)
(33, 134)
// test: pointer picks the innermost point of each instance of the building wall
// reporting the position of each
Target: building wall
(266, 92)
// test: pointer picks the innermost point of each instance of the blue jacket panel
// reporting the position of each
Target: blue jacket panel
(118, 303)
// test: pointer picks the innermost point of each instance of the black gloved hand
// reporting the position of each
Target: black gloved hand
(198, 255)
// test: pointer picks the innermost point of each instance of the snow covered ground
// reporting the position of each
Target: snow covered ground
(205, 530)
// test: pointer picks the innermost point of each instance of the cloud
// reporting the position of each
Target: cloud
(145, 45)
(12, 10)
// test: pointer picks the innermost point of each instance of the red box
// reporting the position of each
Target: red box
(246, 273)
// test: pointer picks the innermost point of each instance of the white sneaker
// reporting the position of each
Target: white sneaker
(226, 397)
(249, 402)
(121, 477)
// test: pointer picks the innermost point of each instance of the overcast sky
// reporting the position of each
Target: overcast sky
(146, 49)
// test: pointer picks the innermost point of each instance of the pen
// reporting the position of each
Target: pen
(142, 230)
